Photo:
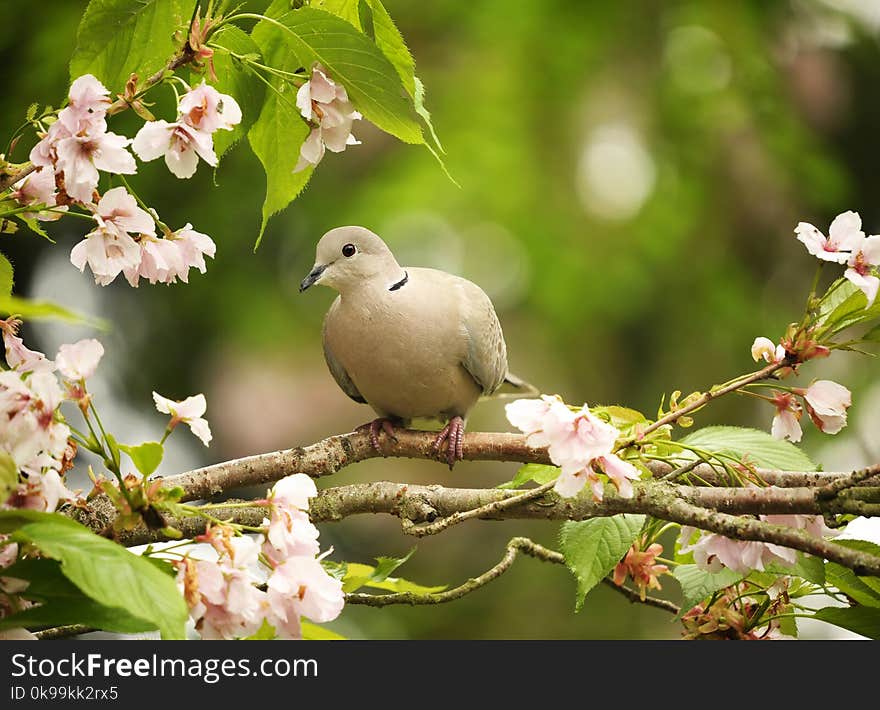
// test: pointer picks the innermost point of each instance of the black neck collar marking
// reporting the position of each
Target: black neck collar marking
(401, 283)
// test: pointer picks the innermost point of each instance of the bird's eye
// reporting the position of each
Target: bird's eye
(348, 250)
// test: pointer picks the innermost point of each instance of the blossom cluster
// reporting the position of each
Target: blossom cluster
(578, 441)
(225, 596)
(712, 552)
(324, 104)
(640, 564)
(201, 112)
(77, 146)
(846, 243)
(34, 435)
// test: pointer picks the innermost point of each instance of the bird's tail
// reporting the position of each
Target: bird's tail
(514, 387)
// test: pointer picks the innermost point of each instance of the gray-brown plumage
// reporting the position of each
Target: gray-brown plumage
(412, 343)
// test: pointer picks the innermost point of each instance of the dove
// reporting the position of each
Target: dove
(413, 343)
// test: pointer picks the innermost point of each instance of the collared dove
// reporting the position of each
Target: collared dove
(413, 343)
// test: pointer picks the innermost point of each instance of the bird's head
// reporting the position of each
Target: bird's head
(348, 257)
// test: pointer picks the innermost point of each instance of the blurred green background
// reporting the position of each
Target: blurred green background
(631, 173)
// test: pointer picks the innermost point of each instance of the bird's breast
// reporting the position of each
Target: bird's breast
(404, 355)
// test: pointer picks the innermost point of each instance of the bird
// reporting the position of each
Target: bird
(411, 342)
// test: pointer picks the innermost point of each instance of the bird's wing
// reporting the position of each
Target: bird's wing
(486, 355)
(336, 368)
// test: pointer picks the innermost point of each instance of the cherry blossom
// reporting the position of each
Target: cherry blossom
(765, 348)
(207, 109)
(18, 356)
(712, 552)
(289, 531)
(119, 210)
(78, 361)
(301, 587)
(865, 255)
(180, 143)
(827, 403)
(223, 601)
(41, 492)
(31, 434)
(38, 188)
(189, 411)
(845, 234)
(579, 442)
(325, 104)
(786, 424)
(81, 156)
(640, 565)
(107, 251)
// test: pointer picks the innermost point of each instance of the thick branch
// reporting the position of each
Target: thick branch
(329, 455)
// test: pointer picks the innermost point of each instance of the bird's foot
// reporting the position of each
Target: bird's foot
(453, 435)
(377, 425)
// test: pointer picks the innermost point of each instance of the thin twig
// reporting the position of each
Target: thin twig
(483, 511)
(635, 598)
(707, 397)
(831, 490)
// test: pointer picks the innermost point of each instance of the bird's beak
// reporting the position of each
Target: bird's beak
(312, 278)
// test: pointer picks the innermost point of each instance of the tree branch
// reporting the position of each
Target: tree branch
(517, 544)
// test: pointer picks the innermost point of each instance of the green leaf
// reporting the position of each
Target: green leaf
(237, 80)
(61, 602)
(419, 101)
(34, 225)
(6, 278)
(384, 32)
(757, 446)
(13, 518)
(539, 473)
(276, 138)
(807, 567)
(350, 58)
(698, 584)
(845, 306)
(872, 335)
(359, 575)
(146, 457)
(108, 573)
(46, 310)
(118, 37)
(870, 548)
(592, 548)
(8, 475)
(313, 632)
(856, 588)
(31, 112)
(858, 619)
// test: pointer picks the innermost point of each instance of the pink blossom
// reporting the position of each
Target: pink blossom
(845, 234)
(118, 210)
(786, 423)
(290, 532)
(293, 492)
(18, 356)
(530, 416)
(88, 95)
(713, 552)
(865, 255)
(166, 260)
(827, 403)
(41, 491)
(38, 188)
(764, 348)
(188, 411)
(640, 565)
(180, 143)
(8, 551)
(325, 104)
(79, 360)
(107, 251)
(619, 472)
(301, 587)
(31, 434)
(207, 109)
(81, 156)
(223, 601)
